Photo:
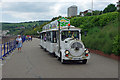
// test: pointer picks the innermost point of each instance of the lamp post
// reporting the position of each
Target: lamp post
(92, 9)
(59, 36)
(118, 6)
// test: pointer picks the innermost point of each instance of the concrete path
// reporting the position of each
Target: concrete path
(34, 62)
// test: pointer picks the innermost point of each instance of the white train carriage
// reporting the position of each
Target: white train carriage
(49, 43)
(67, 45)
(42, 41)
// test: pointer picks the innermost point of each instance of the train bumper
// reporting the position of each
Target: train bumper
(76, 58)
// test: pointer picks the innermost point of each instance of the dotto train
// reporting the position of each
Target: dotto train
(64, 41)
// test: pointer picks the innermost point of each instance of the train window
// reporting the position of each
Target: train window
(54, 38)
(41, 36)
(51, 38)
(48, 36)
(44, 36)
(69, 34)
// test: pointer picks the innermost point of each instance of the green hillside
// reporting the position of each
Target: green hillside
(102, 32)
(14, 28)
(102, 39)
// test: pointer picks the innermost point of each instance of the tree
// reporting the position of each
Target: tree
(88, 14)
(97, 12)
(110, 8)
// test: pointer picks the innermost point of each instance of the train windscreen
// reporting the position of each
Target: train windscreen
(69, 34)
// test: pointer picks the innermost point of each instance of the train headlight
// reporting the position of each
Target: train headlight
(67, 52)
(86, 51)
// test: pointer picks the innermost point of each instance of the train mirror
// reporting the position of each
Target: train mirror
(65, 41)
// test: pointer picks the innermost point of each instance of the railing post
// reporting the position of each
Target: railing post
(4, 50)
(7, 49)
(10, 46)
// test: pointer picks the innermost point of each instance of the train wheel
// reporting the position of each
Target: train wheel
(45, 50)
(58, 58)
(84, 61)
(41, 47)
(54, 55)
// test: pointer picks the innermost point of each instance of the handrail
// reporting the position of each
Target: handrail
(8, 47)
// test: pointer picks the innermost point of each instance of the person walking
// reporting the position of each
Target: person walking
(19, 41)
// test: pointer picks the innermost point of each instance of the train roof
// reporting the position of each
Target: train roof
(71, 28)
(65, 28)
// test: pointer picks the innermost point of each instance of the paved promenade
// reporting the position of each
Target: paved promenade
(34, 62)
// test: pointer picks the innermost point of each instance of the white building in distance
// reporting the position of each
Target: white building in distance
(118, 5)
(72, 11)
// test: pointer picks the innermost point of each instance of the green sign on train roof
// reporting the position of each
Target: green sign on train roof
(54, 24)
(63, 19)
(64, 22)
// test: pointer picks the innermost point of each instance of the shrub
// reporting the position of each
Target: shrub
(116, 45)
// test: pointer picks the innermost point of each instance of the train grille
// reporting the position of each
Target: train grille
(76, 45)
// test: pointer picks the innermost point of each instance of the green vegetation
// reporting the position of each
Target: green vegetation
(15, 28)
(39, 28)
(102, 32)
(33, 31)
(88, 22)
(110, 8)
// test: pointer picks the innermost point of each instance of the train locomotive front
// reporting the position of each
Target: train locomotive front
(72, 48)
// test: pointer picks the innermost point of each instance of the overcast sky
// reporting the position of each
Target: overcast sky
(34, 10)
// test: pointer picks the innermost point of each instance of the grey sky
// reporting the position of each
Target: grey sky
(33, 10)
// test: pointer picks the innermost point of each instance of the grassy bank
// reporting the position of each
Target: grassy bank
(102, 32)
(102, 39)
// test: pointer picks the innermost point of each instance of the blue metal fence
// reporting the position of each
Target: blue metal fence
(8, 47)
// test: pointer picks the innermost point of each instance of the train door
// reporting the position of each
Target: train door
(53, 42)
(48, 40)
(57, 45)
(44, 40)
